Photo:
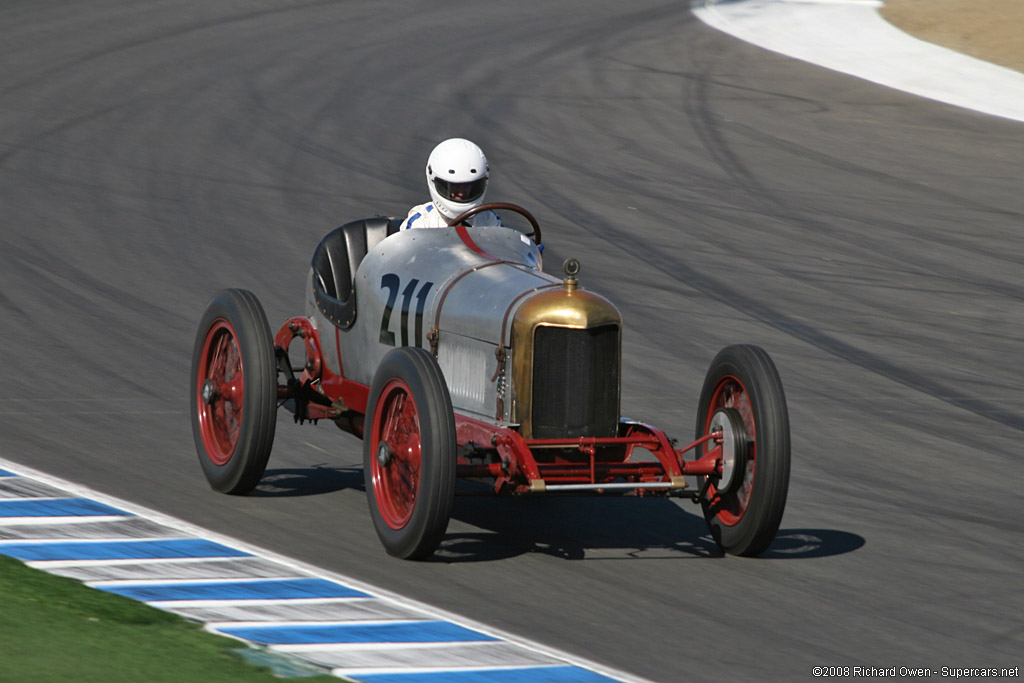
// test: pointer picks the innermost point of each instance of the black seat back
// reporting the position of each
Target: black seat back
(335, 262)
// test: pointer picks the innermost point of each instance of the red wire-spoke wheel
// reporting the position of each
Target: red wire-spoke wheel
(234, 391)
(409, 453)
(743, 399)
(221, 386)
(396, 469)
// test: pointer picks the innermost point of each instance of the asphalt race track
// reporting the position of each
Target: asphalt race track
(153, 153)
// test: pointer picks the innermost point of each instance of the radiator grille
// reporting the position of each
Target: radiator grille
(575, 382)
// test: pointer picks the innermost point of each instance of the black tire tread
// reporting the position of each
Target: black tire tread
(242, 472)
(426, 529)
(754, 533)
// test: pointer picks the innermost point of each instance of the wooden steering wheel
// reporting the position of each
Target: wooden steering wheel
(469, 213)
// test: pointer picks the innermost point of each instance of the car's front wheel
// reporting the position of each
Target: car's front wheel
(743, 398)
(409, 451)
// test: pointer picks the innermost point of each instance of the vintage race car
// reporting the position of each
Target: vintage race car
(453, 355)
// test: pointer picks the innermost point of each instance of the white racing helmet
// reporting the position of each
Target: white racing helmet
(457, 176)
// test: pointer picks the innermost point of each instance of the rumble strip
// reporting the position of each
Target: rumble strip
(277, 605)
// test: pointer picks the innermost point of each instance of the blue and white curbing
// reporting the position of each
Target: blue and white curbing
(282, 606)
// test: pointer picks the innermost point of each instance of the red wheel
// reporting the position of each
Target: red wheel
(409, 453)
(234, 392)
(743, 397)
(730, 502)
(396, 468)
(221, 385)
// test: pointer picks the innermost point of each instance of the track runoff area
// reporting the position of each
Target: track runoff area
(851, 37)
(273, 604)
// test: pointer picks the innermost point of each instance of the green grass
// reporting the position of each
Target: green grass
(57, 629)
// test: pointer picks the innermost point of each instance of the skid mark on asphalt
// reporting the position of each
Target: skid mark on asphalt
(271, 602)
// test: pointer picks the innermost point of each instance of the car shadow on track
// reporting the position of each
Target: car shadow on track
(608, 529)
(575, 528)
(799, 544)
(308, 481)
(571, 528)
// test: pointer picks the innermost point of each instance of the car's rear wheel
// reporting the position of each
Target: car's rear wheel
(409, 453)
(743, 397)
(234, 391)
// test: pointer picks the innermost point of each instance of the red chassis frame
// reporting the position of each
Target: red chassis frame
(321, 394)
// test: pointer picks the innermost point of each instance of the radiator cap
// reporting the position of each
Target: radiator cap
(572, 268)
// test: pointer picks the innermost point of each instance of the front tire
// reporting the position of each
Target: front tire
(744, 518)
(234, 391)
(409, 453)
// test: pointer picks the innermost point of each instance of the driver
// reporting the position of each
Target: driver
(457, 179)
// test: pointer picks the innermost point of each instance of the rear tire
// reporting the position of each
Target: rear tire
(745, 519)
(409, 453)
(234, 391)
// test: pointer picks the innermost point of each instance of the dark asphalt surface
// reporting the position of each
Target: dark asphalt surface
(152, 153)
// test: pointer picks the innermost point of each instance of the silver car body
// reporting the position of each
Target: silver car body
(463, 292)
